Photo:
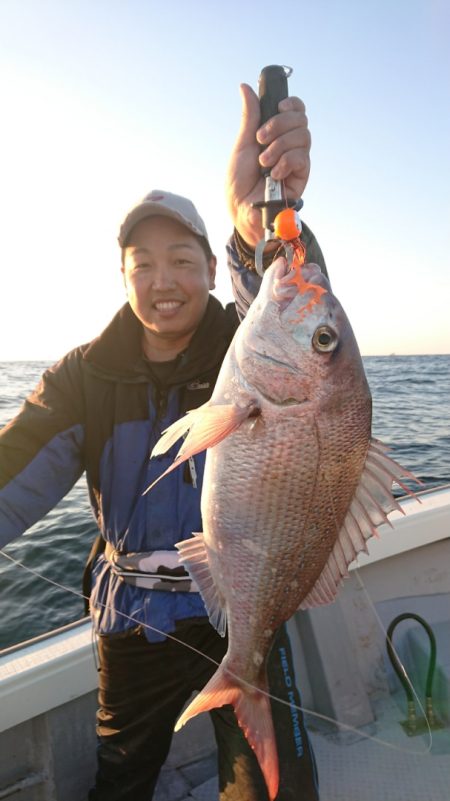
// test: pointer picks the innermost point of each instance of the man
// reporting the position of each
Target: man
(101, 409)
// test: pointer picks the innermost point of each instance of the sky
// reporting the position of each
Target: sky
(103, 100)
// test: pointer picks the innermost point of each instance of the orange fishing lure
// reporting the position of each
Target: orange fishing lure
(287, 226)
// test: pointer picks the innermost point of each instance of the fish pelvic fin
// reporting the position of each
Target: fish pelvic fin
(194, 556)
(253, 713)
(205, 427)
(372, 502)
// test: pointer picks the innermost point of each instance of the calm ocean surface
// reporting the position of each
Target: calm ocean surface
(411, 398)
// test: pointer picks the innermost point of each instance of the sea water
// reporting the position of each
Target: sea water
(411, 414)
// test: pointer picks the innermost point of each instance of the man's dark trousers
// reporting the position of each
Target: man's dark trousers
(143, 688)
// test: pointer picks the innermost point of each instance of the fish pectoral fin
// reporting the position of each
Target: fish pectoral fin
(194, 556)
(369, 508)
(211, 424)
(253, 714)
(207, 425)
(177, 430)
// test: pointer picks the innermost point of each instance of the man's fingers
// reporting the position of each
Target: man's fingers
(291, 143)
(291, 104)
(293, 168)
(281, 124)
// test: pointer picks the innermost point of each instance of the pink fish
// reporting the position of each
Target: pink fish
(294, 485)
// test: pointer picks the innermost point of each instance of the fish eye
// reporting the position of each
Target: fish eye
(325, 339)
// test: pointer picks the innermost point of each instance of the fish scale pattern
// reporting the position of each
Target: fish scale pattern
(281, 491)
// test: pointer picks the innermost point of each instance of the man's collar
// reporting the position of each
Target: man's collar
(118, 349)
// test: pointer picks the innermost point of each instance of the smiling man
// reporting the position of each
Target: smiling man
(101, 409)
(168, 269)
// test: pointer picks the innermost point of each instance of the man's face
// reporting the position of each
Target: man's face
(168, 278)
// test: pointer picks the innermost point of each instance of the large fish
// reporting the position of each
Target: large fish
(293, 486)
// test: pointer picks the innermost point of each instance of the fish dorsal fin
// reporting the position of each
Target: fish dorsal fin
(370, 506)
(194, 556)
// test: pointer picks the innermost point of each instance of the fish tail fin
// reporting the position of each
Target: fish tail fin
(253, 714)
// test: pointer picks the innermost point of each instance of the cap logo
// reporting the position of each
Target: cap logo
(153, 196)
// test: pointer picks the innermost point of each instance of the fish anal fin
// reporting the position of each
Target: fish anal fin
(253, 714)
(194, 556)
(372, 502)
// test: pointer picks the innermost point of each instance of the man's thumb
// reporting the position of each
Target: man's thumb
(251, 116)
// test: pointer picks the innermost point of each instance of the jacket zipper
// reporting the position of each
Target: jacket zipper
(162, 397)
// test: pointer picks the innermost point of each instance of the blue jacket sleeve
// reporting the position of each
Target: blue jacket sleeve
(41, 450)
(246, 281)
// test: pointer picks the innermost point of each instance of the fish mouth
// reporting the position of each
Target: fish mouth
(285, 290)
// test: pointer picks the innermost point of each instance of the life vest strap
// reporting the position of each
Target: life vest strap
(151, 570)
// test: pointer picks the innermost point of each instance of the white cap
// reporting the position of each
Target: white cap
(168, 205)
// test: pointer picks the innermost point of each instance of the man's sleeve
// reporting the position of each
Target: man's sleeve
(244, 278)
(41, 450)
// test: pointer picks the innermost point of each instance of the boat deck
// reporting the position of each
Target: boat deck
(48, 686)
(351, 768)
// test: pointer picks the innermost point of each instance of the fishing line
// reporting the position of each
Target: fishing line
(106, 606)
(400, 663)
(375, 613)
(290, 704)
(380, 622)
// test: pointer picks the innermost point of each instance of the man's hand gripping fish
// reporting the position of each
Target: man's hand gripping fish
(293, 486)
